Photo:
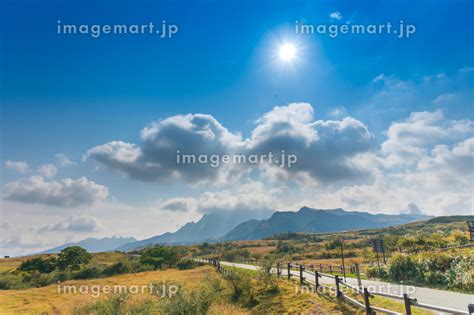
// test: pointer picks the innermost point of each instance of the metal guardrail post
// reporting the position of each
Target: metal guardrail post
(368, 310)
(470, 308)
(289, 271)
(301, 274)
(407, 301)
(338, 292)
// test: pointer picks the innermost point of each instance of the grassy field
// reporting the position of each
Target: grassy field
(48, 300)
(288, 299)
(108, 258)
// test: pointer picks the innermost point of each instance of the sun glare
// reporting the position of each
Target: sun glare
(287, 52)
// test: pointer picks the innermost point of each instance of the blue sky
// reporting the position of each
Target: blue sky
(67, 94)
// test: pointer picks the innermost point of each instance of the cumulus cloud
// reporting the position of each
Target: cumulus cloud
(17, 166)
(156, 158)
(75, 224)
(179, 204)
(324, 148)
(65, 193)
(408, 141)
(47, 170)
(212, 202)
(63, 160)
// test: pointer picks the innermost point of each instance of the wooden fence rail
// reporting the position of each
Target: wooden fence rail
(299, 271)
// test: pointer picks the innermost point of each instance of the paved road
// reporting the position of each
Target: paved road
(447, 299)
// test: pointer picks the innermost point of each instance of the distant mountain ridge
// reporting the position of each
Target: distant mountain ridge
(94, 245)
(316, 221)
(209, 227)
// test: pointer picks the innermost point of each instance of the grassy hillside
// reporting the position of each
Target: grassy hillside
(108, 258)
(432, 249)
(251, 298)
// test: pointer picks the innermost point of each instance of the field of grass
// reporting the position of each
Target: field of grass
(287, 299)
(48, 300)
(107, 258)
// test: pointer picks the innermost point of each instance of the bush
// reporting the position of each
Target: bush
(39, 264)
(116, 269)
(159, 256)
(186, 264)
(375, 272)
(87, 273)
(403, 267)
(461, 273)
(10, 281)
(241, 285)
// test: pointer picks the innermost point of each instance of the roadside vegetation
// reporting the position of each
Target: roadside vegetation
(428, 253)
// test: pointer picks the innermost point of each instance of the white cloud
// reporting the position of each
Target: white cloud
(17, 166)
(47, 170)
(336, 15)
(63, 160)
(338, 112)
(65, 193)
(409, 140)
(445, 98)
(75, 224)
(324, 148)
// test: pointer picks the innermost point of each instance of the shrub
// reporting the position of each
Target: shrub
(241, 285)
(403, 267)
(91, 272)
(158, 256)
(10, 281)
(116, 269)
(186, 264)
(39, 264)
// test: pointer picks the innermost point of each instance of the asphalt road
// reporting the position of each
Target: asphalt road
(447, 299)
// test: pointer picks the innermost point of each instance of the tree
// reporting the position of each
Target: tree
(39, 264)
(157, 256)
(73, 257)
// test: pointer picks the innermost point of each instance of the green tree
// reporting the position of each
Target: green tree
(39, 264)
(157, 256)
(73, 257)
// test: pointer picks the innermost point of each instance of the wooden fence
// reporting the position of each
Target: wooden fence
(312, 278)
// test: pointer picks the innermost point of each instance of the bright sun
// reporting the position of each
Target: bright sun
(287, 52)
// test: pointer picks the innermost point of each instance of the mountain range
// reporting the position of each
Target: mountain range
(94, 245)
(210, 227)
(249, 225)
(316, 221)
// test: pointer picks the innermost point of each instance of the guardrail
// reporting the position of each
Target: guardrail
(299, 273)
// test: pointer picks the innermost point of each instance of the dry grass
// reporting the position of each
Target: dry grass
(47, 300)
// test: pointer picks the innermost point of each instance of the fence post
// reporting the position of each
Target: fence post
(357, 271)
(368, 310)
(278, 269)
(316, 279)
(301, 274)
(330, 269)
(289, 271)
(321, 267)
(407, 304)
(338, 293)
